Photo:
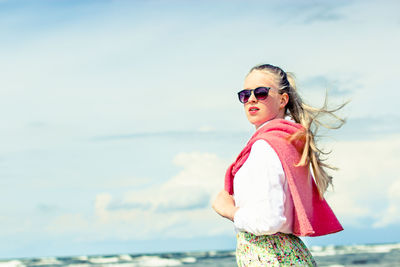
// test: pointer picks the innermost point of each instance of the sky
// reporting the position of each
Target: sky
(119, 118)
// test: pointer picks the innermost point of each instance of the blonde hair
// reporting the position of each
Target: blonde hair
(310, 118)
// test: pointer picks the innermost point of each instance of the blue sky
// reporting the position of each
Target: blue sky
(120, 117)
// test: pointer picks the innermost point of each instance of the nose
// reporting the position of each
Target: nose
(252, 97)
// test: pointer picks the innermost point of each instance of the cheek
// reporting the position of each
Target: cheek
(269, 110)
(269, 106)
(272, 105)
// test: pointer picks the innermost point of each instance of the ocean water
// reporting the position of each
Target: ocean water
(333, 256)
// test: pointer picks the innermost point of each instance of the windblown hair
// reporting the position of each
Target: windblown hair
(310, 118)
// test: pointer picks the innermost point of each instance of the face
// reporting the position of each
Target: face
(273, 107)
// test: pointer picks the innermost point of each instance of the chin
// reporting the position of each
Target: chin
(257, 123)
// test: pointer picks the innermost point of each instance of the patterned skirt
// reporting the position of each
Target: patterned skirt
(272, 250)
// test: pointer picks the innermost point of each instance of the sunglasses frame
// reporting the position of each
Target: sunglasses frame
(255, 95)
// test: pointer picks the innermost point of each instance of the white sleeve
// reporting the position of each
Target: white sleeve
(262, 192)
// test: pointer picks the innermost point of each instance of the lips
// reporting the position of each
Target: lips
(253, 110)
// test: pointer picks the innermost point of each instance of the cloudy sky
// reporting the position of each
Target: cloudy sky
(119, 118)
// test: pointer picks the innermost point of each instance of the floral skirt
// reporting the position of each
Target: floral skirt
(272, 250)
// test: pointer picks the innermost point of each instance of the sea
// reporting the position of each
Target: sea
(333, 256)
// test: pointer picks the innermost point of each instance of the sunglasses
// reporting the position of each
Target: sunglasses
(260, 93)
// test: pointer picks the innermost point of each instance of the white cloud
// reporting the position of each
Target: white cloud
(365, 185)
(119, 72)
(181, 206)
(201, 177)
(391, 215)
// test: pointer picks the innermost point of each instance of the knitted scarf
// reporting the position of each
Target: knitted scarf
(312, 215)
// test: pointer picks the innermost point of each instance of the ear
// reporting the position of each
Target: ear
(284, 100)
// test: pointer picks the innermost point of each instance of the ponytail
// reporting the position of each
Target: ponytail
(310, 118)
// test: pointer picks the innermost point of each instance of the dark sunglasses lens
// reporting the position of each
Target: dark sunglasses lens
(244, 96)
(261, 93)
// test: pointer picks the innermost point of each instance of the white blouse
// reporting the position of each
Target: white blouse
(262, 193)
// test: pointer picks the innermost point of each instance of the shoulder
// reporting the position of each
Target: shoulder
(261, 150)
(262, 146)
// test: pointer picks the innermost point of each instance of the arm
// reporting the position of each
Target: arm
(224, 205)
(260, 191)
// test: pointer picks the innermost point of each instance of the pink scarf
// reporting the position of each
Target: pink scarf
(312, 215)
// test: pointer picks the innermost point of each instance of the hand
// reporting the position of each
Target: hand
(224, 205)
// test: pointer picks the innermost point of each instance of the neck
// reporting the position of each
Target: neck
(279, 116)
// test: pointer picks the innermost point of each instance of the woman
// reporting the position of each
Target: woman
(269, 192)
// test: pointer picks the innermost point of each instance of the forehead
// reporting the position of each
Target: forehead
(259, 79)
